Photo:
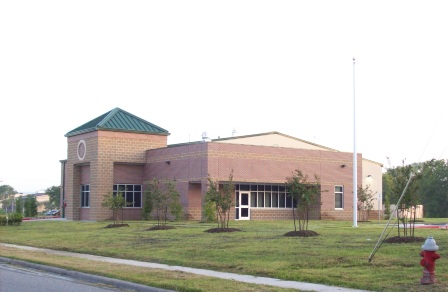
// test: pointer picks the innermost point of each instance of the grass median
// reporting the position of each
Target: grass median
(338, 256)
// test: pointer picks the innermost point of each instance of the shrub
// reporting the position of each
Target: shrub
(11, 219)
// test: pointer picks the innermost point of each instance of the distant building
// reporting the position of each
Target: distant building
(41, 199)
(119, 150)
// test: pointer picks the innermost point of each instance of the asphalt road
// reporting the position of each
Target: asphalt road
(20, 278)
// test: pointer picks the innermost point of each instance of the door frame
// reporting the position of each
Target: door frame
(240, 207)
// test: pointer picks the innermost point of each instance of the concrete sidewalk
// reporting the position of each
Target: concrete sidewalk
(223, 275)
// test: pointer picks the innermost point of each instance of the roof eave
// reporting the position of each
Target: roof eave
(70, 134)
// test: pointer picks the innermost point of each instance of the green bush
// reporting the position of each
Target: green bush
(11, 219)
(209, 212)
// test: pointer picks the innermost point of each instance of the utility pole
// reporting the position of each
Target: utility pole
(355, 162)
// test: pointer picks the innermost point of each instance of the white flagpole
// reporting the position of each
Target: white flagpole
(355, 162)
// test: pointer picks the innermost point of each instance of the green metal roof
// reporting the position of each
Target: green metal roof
(118, 120)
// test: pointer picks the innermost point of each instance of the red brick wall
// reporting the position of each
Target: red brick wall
(194, 201)
(255, 164)
(129, 174)
(188, 166)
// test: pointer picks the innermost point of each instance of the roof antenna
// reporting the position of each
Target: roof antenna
(205, 138)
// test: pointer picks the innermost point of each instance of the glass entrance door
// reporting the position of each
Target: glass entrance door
(244, 206)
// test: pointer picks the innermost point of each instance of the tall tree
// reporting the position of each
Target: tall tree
(19, 205)
(306, 195)
(30, 206)
(6, 197)
(434, 188)
(54, 193)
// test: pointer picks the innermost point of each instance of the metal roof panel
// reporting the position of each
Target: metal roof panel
(118, 120)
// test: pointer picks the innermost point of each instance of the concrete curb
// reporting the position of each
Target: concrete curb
(129, 286)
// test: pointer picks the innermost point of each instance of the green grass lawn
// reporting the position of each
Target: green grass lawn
(338, 256)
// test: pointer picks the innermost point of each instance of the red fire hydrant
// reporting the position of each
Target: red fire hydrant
(429, 261)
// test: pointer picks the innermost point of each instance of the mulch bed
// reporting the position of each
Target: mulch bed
(117, 225)
(401, 239)
(218, 230)
(302, 233)
(161, 227)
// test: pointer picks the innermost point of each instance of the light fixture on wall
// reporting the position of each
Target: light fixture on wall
(369, 175)
(343, 165)
(168, 162)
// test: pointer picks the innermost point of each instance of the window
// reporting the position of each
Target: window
(85, 195)
(339, 197)
(131, 193)
(253, 199)
(267, 195)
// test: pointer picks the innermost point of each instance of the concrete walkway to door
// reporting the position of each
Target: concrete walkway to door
(223, 275)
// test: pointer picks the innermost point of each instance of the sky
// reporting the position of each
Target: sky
(223, 67)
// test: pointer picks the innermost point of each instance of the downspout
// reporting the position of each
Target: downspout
(62, 194)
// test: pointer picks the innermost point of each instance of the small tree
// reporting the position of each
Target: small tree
(365, 202)
(147, 206)
(400, 177)
(174, 206)
(115, 202)
(306, 194)
(164, 198)
(210, 212)
(221, 199)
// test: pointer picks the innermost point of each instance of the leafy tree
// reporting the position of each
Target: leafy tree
(365, 202)
(115, 202)
(164, 198)
(387, 208)
(147, 205)
(434, 188)
(221, 199)
(54, 194)
(30, 206)
(306, 194)
(6, 197)
(210, 212)
(400, 177)
(19, 205)
(175, 206)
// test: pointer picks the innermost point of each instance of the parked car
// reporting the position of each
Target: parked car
(52, 213)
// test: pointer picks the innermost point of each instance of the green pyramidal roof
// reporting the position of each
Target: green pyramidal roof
(118, 120)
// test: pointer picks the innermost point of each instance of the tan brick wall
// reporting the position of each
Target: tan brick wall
(103, 150)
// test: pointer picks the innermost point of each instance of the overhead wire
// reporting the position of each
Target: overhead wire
(433, 131)
(378, 244)
(381, 239)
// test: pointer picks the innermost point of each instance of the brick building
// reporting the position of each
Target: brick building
(121, 151)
